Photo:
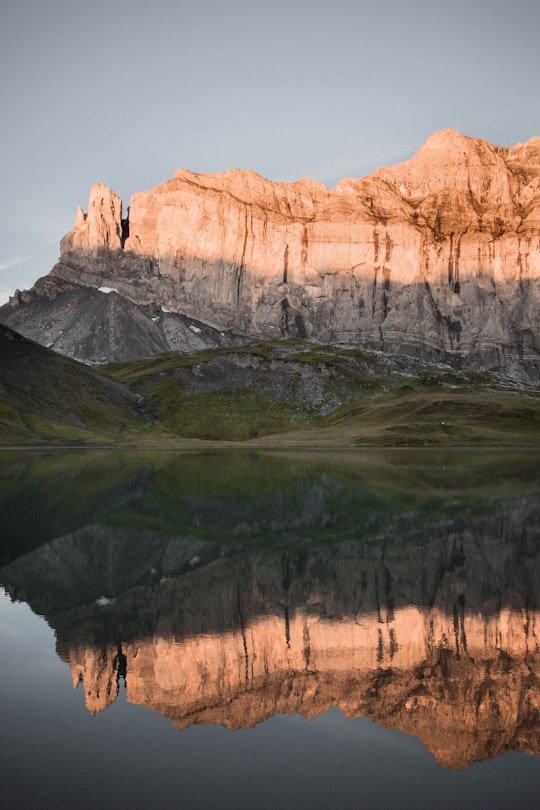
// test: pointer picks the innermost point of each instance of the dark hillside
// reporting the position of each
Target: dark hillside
(48, 398)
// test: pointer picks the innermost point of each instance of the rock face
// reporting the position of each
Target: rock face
(438, 257)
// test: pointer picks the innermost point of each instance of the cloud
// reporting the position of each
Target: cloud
(12, 261)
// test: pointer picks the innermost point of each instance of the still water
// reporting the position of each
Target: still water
(270, 630)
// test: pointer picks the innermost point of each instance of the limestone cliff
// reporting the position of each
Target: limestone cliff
(438, 257)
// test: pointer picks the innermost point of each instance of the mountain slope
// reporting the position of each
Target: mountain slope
(47, 398)
(297, 393)
(282, 393)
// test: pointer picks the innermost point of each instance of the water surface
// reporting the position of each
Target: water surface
(354, 629)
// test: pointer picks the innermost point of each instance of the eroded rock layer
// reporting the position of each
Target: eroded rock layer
(438, 257)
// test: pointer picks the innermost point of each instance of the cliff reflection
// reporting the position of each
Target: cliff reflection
(427, 622)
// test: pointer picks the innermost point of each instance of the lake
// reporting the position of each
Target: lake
(234, 629)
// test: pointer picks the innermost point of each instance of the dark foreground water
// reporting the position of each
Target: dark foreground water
(286, 630)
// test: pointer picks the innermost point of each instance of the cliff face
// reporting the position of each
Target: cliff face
(438, 257)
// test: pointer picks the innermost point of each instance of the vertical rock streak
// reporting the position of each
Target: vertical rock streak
(458, 225)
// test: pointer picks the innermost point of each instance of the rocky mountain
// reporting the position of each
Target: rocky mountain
(437, 258)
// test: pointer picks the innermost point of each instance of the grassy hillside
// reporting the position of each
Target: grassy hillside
(295, 393)
(49, 399)
(270, 393)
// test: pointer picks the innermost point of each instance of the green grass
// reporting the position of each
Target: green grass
(420, 418)
(230, 415)
(377, 401)
(47, 398)
(269, 393)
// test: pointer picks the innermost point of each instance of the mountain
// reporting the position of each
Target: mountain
(436, 258)
(47, 398)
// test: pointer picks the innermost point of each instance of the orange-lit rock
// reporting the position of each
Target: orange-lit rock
(437, 257)
(101, 227)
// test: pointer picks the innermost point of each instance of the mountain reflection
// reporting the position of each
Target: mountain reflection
(313, 585)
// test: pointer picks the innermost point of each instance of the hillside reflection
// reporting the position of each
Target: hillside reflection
(305, 584)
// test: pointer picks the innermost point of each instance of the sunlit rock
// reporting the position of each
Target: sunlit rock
(438, 257)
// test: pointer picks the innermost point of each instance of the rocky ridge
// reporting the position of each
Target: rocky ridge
(438, 257)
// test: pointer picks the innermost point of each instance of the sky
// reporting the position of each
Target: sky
(125, 93)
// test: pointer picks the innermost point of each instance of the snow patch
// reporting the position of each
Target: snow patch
(195, 329)
(107, 290)
(164, 309)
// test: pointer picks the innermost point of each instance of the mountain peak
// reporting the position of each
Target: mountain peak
(438, 257)
(444, 136)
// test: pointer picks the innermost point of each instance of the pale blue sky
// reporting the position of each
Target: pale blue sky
(125, 93)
